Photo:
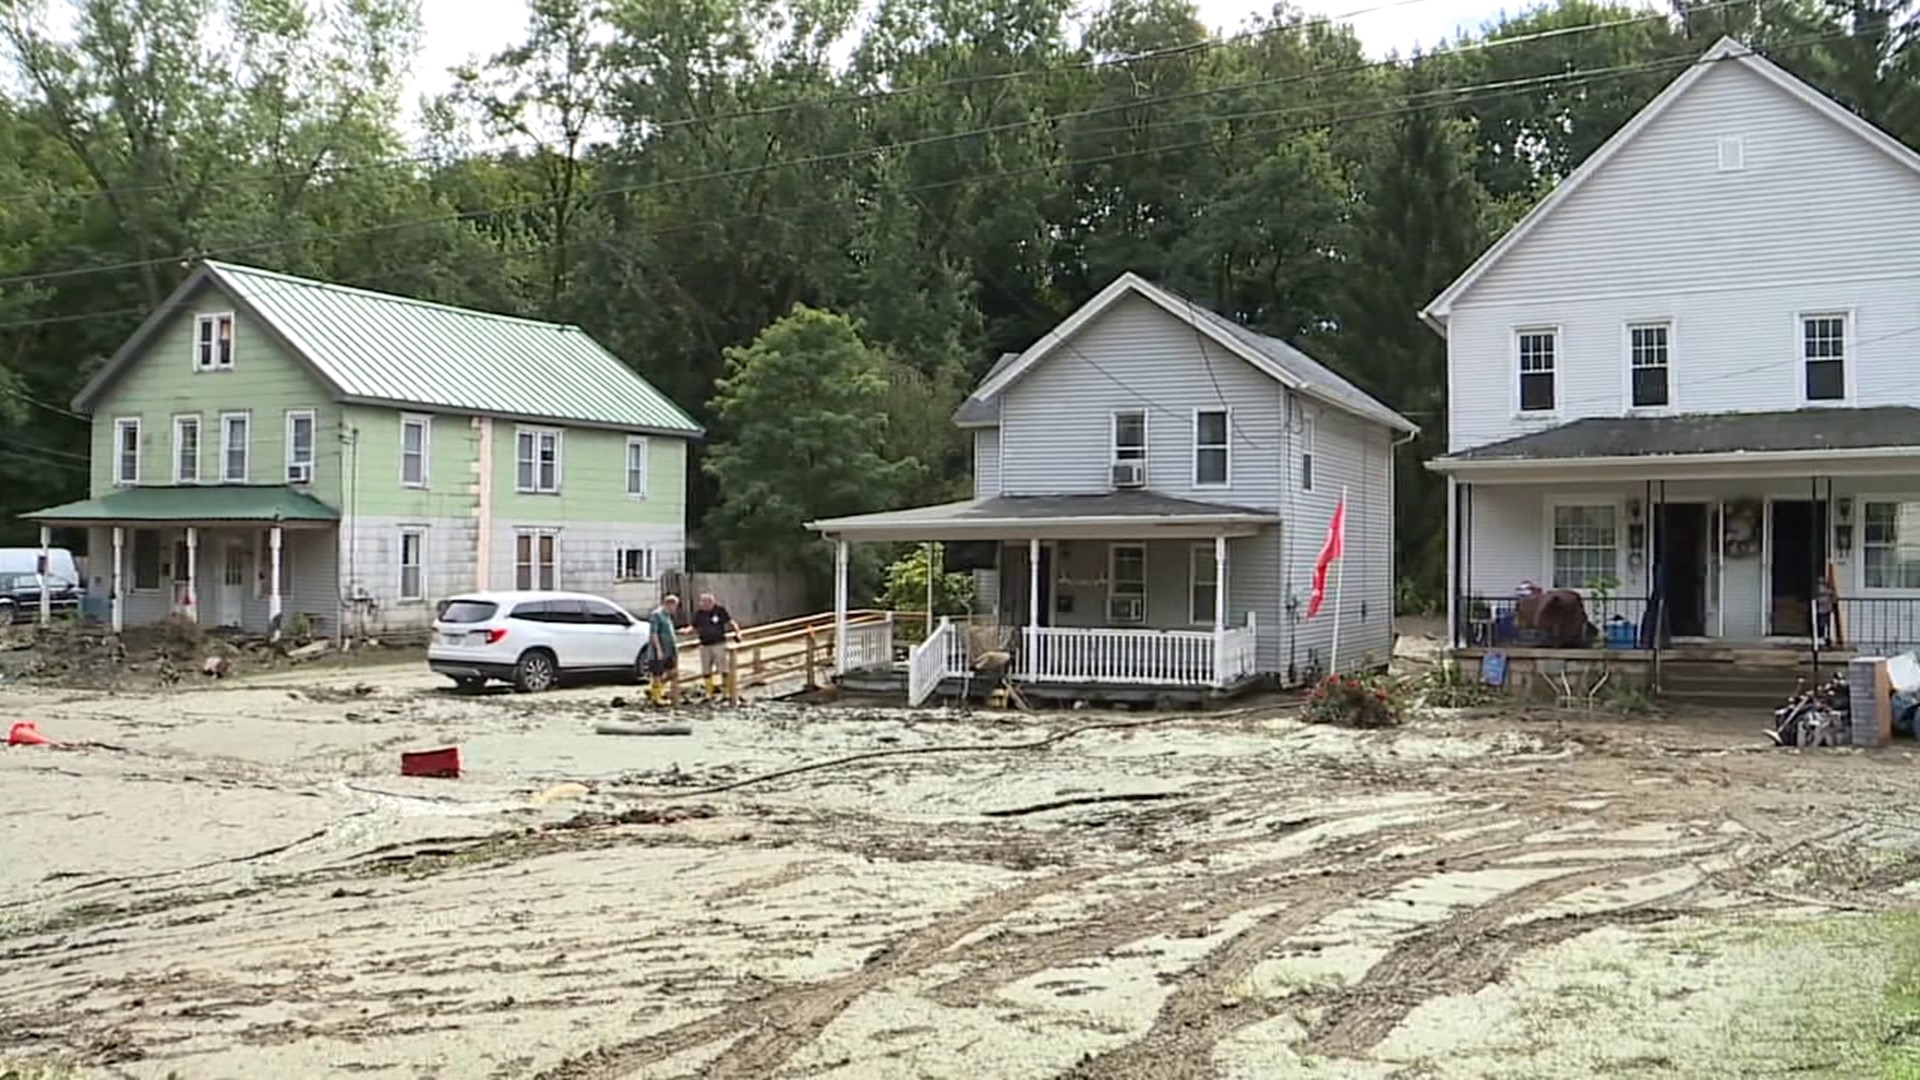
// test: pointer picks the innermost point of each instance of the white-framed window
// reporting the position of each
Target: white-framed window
(1585, 544)
(213, 342)
(637, 466)
(1890, 544)
(126, 451)
(413, 552)
(416, 433)
(186, 449)
(536, 559)
(1210, 440)
(1127, 584)
(536, 461)
(1823, 356)
(1649, 364)
(633, 564)
(263, 562)
(1309, 435)
(300, 439)
(1203, 583)
(233, 448)
(1537, 354)
(1130, 435)
(146, 560)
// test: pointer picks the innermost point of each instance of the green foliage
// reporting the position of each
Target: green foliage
(1448, 687)
(1425, 595)
(906, 586)
(1354, 701)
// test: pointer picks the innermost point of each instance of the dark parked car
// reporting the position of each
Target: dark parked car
(20, 597)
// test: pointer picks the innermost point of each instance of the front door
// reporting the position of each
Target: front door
(1797, 546)
(236, 559)
(1680, 548)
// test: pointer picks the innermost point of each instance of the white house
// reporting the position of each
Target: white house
(1152, 486)
(1689, 379)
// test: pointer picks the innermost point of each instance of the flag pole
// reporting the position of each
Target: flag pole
(1339, 578)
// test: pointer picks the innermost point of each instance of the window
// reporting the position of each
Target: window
(1890, 545)
(1130, 435)
(1647, 357)
(1127, 584)
(1823, 349)
(413, 546)
(1538, 350)
(633, 564)
(603, 614)
(180, 561)
(1308, 436)
(233, 448)
(126, 452)
(300, 446)
(146, 560)
(637, 466)
(213, 343)
(537, 461)
(1586, 545)
(413, 451)
(533, 560)
(1203, 579)
(186, 449)
(1210, 447)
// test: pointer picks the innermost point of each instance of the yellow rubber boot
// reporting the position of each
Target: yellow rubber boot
(656, 691)
(713, 686)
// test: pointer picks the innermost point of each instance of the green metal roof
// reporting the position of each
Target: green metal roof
(379, 348)
(187, 504)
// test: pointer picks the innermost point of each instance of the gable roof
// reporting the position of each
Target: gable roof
(1726, 50)
(1282, 362)
(381, 349)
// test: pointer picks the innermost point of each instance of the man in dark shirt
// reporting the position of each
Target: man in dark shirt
(712, 625)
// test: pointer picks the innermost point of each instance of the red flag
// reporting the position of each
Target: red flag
(1329, 551)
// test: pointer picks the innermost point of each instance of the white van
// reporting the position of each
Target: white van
(27, 561)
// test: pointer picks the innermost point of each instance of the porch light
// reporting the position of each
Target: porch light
(1633, 510)
(1844, 506)
(1843, 540)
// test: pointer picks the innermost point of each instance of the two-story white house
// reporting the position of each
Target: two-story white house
(1688, 381)
(1152, 487)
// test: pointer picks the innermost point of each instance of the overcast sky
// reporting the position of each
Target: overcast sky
(454, 30)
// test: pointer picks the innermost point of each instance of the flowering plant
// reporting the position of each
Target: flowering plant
(1351, 701)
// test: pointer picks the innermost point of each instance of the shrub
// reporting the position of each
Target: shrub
(1351, 701)
(1448, 687)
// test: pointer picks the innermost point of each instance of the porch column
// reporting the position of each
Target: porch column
(273, 583)
(1220, 611)
(193, 573)
(1033, 583)
(46, 567)
(117, 584)
(1453, 561)
(840, 607)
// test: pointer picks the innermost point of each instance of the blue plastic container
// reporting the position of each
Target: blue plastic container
(1503, 628)
(1620, 633)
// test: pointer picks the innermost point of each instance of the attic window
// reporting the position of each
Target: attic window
(213, 342)
(1733, 153)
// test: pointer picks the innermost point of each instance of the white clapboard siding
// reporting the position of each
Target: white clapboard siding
(986, 462)
(1353, 454)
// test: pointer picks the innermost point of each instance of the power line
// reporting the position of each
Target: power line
(1575, 76)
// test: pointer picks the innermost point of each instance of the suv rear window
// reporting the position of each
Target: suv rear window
(467, 611)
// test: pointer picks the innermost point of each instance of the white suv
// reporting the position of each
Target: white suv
(532, 639)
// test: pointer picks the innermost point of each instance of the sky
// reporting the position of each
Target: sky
(454, 30)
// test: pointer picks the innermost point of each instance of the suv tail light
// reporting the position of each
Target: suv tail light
(494, 635)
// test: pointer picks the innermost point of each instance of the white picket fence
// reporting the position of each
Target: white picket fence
(1095, 656)
(869, 645)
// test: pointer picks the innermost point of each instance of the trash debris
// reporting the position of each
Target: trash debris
(1814, 716)
(561, 793)
(309, 650)
(216, 666)
(27, 733)
(625, 727)
(441, 764)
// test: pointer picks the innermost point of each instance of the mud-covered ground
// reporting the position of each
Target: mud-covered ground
(232, 880)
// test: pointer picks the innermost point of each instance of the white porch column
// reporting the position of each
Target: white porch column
(1220, 611)
(193, 573)
(46, 567)
(1453, 561)
(117, 583)
(273, 582)
(840, 607)
(1033, 583)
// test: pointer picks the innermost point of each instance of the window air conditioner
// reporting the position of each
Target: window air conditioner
(1126, 609)
(1129, 474)
(300, 474)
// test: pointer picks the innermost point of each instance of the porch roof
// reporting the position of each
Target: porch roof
(1117, 514)
(1807, 438)
(189, 505)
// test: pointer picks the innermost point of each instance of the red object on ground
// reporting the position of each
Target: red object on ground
(441, 763)
(26, 733)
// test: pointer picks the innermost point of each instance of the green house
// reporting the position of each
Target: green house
(267, 448)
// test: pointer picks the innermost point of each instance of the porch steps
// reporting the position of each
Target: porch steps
(1732, 685)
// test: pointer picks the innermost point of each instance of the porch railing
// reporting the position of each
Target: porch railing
(1239, 654)
(870, 644)
(1876, 625)
(1489, 622)
(942, 654)
(1139, 657)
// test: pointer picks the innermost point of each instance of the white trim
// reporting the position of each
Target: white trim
(650, 570)
(425, 424)
(1307, 461)
(1440, 308)
(1113, 579)
(214, 318)
(180, 420)
(626, 467)
(1113, 437)
(246, 447)
(1628, 407)
(1858, 554)
(1552, 330)
(1661, 466)
(419, 534)
(313, 445)
(1848, 362)
(120, 425)
(1551, 503)
(1195, 551)
(536, 431)
(1225, 447)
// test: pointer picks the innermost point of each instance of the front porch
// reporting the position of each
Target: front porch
(1129, 597)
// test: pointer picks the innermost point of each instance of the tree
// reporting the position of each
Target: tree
(906, 585)
(803, 426)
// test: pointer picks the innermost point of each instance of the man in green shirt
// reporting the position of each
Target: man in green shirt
(663, 651)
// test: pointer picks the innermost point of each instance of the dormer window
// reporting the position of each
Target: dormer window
(213, 342)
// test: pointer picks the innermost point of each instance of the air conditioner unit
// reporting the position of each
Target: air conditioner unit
(1129, 474)
(1126, 609)
(300, 474)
